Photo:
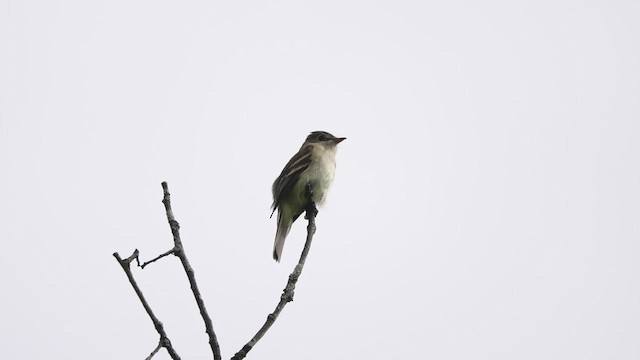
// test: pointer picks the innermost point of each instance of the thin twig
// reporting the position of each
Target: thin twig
(172, 251)
(164, 340)
(154, 352)
(287, 293)
(178, 250)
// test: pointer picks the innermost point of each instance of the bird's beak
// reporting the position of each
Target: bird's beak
(338, 140)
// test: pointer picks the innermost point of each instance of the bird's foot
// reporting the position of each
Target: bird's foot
(311, 210)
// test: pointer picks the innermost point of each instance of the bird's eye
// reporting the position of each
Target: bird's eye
(322, 138)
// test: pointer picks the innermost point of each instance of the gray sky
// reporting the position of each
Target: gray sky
(486, 201)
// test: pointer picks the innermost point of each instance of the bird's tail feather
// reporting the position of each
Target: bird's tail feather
(284, 225)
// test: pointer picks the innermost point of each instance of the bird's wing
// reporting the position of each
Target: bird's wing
(284, 183)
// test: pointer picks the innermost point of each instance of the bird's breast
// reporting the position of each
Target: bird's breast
(320, 175)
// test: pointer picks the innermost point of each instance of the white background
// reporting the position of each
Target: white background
(486, 202)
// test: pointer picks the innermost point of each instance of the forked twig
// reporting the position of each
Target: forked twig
(177, 250)
(164, 339)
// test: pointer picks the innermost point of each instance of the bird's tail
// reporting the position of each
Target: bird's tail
(284, 225)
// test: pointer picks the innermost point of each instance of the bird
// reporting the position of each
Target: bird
(309, 173)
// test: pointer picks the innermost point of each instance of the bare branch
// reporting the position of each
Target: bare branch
(287, 293)
(164, 340)
(178, 250)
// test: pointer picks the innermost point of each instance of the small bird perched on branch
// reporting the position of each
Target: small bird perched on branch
(311, 171)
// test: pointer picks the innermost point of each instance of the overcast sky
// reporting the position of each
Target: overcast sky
(486, 201)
